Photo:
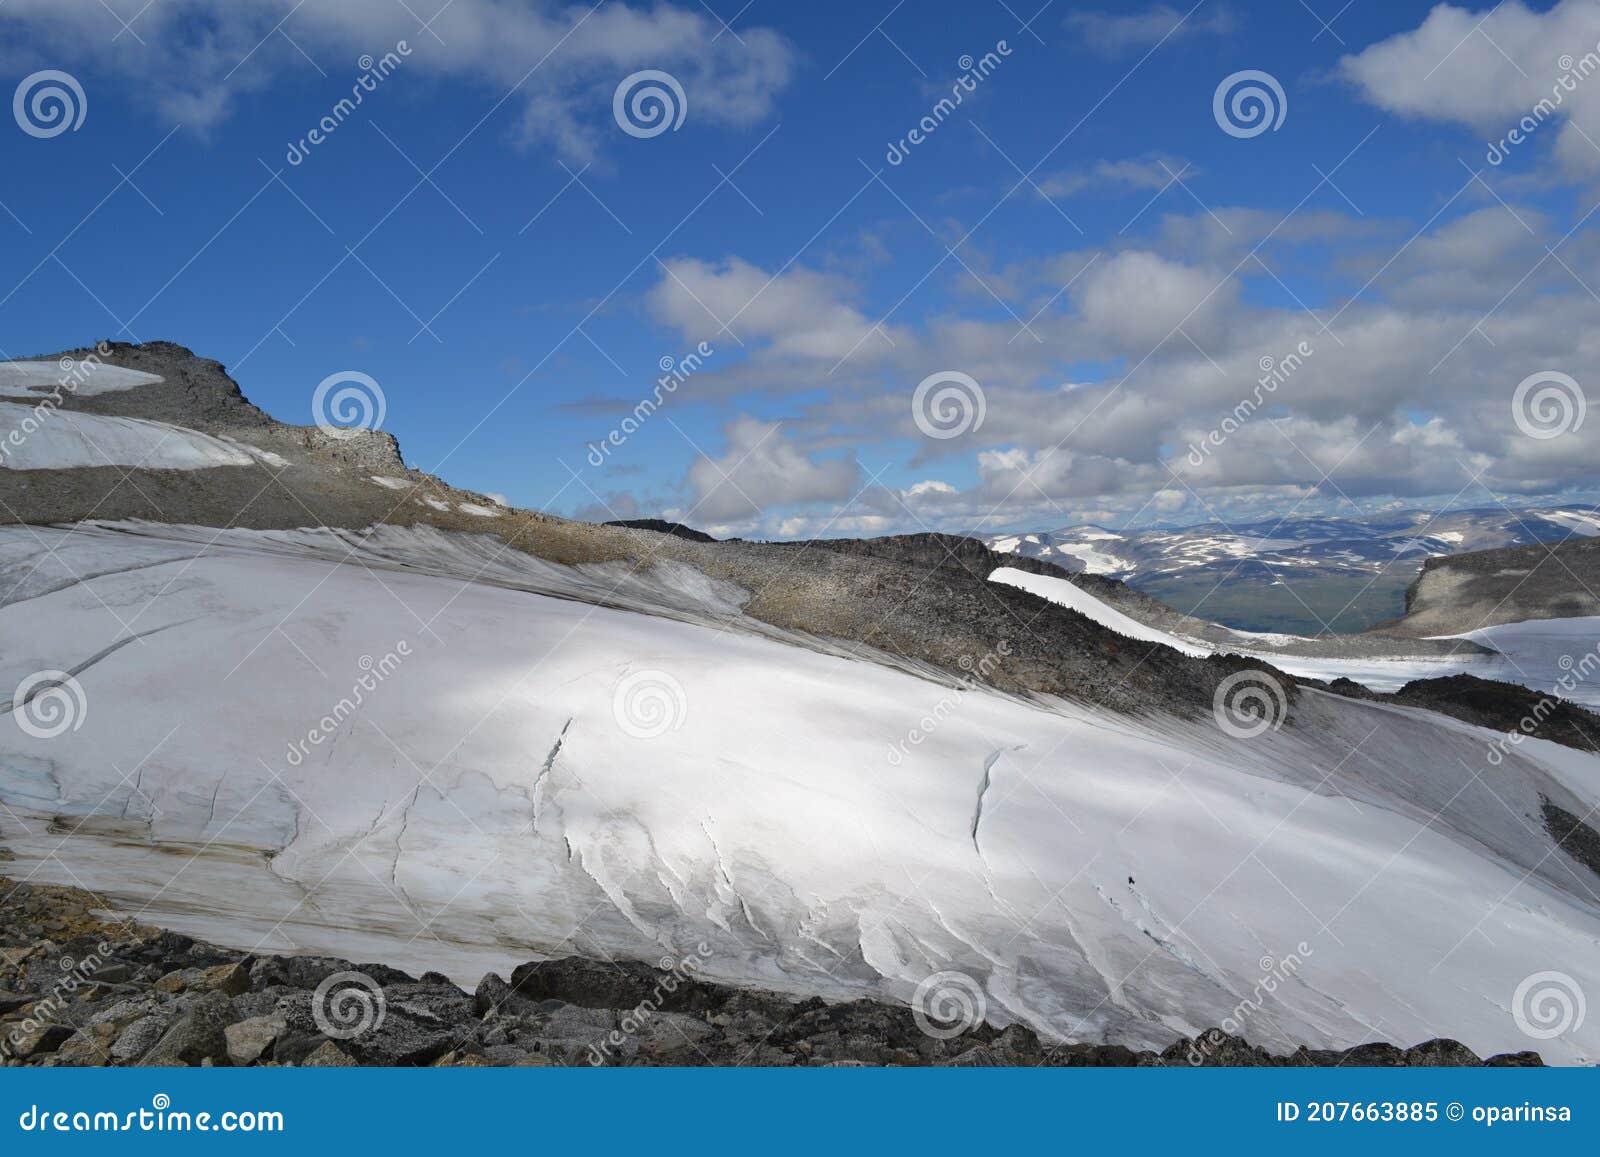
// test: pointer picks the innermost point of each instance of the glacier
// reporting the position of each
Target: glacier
(516, 758)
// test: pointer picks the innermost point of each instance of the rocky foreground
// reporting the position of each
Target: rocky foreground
(79, 987)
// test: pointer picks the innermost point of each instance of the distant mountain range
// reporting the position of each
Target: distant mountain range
(1302, 575)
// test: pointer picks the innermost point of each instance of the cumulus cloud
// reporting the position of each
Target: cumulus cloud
(799, 314)
(1402, 389)
(762, 468)
(1511, 68)
(193, 58)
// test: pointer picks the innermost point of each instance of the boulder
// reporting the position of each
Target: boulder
(249, 1040)
(1441, 1053)
(328, 1055)
(199, 1034)
(139, 1038)
(230, 979)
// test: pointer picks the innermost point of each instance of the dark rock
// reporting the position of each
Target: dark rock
(1441, 1053)
(1514, 1060)
(1215, 1048)
(662, 526)
(34, 1042)
(198, 1035)
(624, 984)
(1375, 1055)
(1091, 1056)
(309, 971)
(494, 995)
(418, 1025)
(1020, 1043)
(977, 1057)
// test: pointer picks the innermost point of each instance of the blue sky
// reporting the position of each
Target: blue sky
(1080, 238)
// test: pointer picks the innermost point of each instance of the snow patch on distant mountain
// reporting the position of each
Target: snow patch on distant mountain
(64, 439)
(84, 378)
(1296, 545)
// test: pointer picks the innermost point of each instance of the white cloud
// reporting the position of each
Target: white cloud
(1145, 173)
(1408, 392)
(799, 314)
(1490, 71)
(193, 58)
(761, 468)
(1138, 299)
(1115, 33)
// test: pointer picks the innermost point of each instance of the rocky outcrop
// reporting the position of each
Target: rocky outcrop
(1485, 588)
(1501, 707)
(662, 526)
(77, 989)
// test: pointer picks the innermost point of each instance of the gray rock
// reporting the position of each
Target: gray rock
(139, 1038)
(328, 1055)
(248, 1040)
(198, 1035)
(504, 1055)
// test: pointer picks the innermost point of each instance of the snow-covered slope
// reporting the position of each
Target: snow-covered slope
(433, 750)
